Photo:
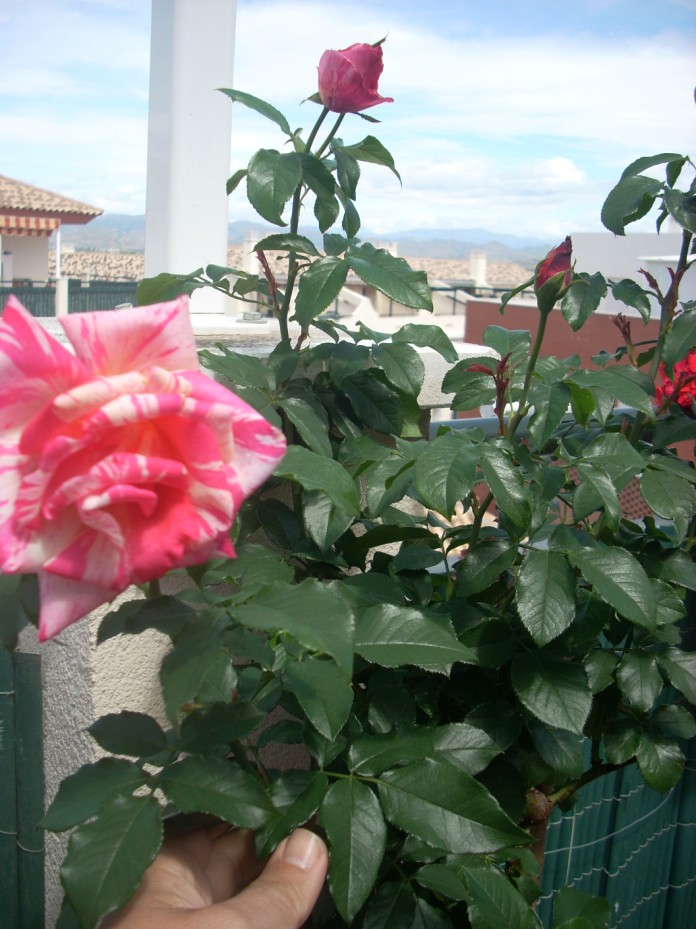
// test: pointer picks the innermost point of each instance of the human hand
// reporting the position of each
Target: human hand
(211, 879)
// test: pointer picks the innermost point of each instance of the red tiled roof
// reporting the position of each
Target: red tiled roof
(19, 198)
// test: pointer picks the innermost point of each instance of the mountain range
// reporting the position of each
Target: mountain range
(126, 233)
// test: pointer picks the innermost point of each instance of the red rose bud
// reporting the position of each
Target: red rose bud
(553, 275)
(348, 78)
(681, 390)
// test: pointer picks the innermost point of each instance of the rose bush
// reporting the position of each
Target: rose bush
(681, 388)
(121, 461)
(348, 78)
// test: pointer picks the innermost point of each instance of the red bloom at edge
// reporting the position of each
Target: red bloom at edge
(683, 388)
(556, 262)
(348, 78)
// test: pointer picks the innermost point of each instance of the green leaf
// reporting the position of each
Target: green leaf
(392, 907)
(506, 483)
(297, 795)
(107, 858)
(628, 201)
(198, 669)
(235, 180)
(319, 286)
(402, 366)
(430, 917)
(682, 207)
(676, 568)
(583, 298)
(595, 492)
(347, 171)
(660, 760)
(218, 787)
(599, 666)
(129, 733)
(351, 219)
(372, 150)
(392, 636)
(376, 404)
(212, 728)
(240, 370)
(391, 276)
(639, 679)
(545, 594)
(271, 180)
(621, 740)
(553, 690)
(426, 336)
(317, 176)
(444, 880)
(294, 608)
(355, 827)
(632, 294)
(483, 565)
(651, 161)
(323, 690)
(260, 106)
(496, 899)
(464, 746)
(670, 496)
(445, 807)
(83, 794)
(680, 668)
(312, 427)
(324, 522)
(620, 580)
(561, 750)
(372, 754)
(445, 472)
(569, 904)
(673, 721)
(166, 286)
(550, 406)
(316, 472)
(681, 337)
(326, 210)
(287, 241)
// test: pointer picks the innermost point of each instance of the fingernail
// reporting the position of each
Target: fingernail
(301, 849)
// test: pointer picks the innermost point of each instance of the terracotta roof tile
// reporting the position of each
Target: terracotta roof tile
(20, 197)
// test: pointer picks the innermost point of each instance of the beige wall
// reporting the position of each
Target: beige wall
(29, 256)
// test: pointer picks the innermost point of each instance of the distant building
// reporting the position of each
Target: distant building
(28, 217)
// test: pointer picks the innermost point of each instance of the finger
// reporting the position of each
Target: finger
(283, 896)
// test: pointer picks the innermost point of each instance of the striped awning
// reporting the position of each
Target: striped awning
(28, 225)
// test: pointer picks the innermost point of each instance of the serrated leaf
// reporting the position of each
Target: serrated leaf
(583, 298)
(447, 808)
(569, 903)
(129, 733)
(483, 564)
(545, 594)
(445, 472)
(402, 366)
(464, 746)
(599, 666)
(628, 201)
(682, 207)
(391, 276)
(632, 294)
(83, 794)
(272, 179)
(347, 171)
(506, 482)
(372, 754)
(660, 760)
(297, 796)
(376, 404)
(595, 492)
(372, 150)
(561, 750)
(621, 740)
(392, 907)
(553, 690)
(392, 636)
(639, 679)
(680, 339)
(496, 899)
(107, 858)
(680, 668)
(316, 472)
(426, 336)
(312, 428)
(218, 787)
(212, 728)
(443, 879)
(317, 176)
(294, 608)
(651, 161)
(260, 106)
(198, 669)
(550, 406)
(670, 496)
(239, 369)
(323, 690)
(355, 827)
(620, 580)
(287, 241)
(319, 286)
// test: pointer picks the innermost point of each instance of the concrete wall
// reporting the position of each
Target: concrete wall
(29, 256)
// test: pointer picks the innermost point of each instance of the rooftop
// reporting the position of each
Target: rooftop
(18, 197)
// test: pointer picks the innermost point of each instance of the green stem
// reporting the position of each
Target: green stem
(534, 355)
(327, 141)
(593, 774)
(668, 304)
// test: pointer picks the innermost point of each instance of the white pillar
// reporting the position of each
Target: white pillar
(188, 160)
(57, 247)
(62, 296)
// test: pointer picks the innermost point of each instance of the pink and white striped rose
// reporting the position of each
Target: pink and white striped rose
(120, 461)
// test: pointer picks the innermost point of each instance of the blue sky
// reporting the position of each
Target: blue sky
(516, 117)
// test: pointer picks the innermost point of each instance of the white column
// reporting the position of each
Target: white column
(57, 247)
(188, 161)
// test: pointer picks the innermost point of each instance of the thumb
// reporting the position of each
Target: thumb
(283, 895)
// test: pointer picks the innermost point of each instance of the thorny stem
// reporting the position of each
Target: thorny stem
(534, 354)
(668, 304)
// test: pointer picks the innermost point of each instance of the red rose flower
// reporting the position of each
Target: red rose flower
(553, 275)
(681, 389)
(348, 78)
